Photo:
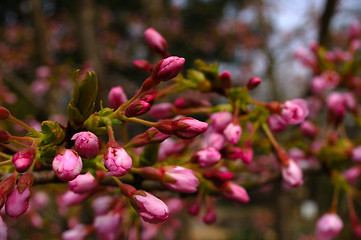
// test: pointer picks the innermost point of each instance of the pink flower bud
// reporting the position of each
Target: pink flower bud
(79, 232)
(161, 111)
(305, 57)
(319, 84)
(247, 155)
(107, 226)
(70, 198)
(143, 65)
(83, 183)
(180, 179)
(220, 120)
(43, 72)
(225, 80)
(156, 41)
(4, 113)
(233, 133)
(352, 174)
(350, 101)
(294, 111)
(23, 159)
(4, 136)
(168, 68)
(194, 208)
(187, 128)
(234, 192)
(309, 129)
(117, 161)
(86, 144)
(336, 104)
(102, 204)
(137, 108)
(253, 83)
(356, 154)
(190, 102)
(220, 174)
(215, 140)
(208, 157)
(210, 216)
(3, 229)
(328, 226)
(17, 202)
(168, 148)
(232, 152)
(150, 208)
(67, 165)
(276, 123)
(6, 187)
(292, 174)
(116, 97)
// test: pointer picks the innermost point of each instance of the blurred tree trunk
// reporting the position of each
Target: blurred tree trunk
(40, 32)
(88, 42)
(328, 12)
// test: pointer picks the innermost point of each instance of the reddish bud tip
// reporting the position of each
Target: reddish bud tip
(4, 113)
(253, 83)
(4, 136)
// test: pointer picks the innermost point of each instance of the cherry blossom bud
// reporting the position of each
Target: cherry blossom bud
(187, 128)
(70, 198)
(210, 216)
(161, 111)
(102, 204)
(336, 104)
(117, 161)
(354, 30)
(190, 102)
(232, 152)
(247, 155)
(4, 136)
(220, 174)
(43, 72)
(233, 133)
(23, 159)
(168, 68)
(292, 174)
(220, 120)
(356, 154)
(4, 113)
(6, 187)
(137, 108)
(194, 209)
(3, 229)
(79, 232)
(156, 41)
(179, 179)
(319, 84)
(309, 129)
(86, 144)
(234, 192)
(116, 97)
(143, 65)
(350, 101)
(352, 174)
(67, 165)
(207, 157)
(83, 183)
(253, 83)
(215, 140)
(225, 80)
(17, 202)
(152, 135)
(150, 208)
(168, 148)
(107, 226)
(294, 111)
(328, 226)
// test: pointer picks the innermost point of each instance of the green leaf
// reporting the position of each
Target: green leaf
(81, 106)
(52, 133)
(149, 156)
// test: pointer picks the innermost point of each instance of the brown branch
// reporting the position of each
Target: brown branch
(328, 12)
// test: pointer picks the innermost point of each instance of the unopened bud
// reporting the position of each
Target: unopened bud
(253, 83)
(137, 108)
(156, 41)
(168, 68)
(23, 159)
(4, 136)
(6, 187)
(225, 80)
(143, 65)
(4, 113)
(116, 97)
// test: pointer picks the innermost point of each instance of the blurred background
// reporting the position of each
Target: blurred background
(43, 41)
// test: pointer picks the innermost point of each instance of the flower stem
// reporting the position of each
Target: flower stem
(9, 161)
(141, 121)
(27, 139)
(4, 155)
(270, 136)
(24, 125)
(335, 200)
